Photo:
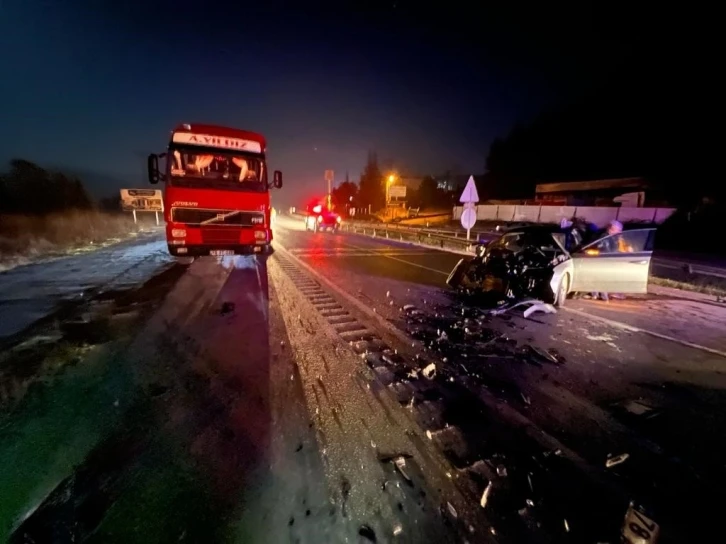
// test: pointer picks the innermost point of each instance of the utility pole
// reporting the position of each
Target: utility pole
(329, 179)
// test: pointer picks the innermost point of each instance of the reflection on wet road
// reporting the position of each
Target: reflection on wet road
(334, 392)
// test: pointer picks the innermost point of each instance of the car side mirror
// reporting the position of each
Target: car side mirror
(277, 179)
(152, 166)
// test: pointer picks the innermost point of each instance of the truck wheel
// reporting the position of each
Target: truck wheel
(184, 261)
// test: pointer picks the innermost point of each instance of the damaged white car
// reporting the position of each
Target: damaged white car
(549, 263)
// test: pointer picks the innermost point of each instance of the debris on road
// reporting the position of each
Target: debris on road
(543, 307)
(429, 372)
(485, 495)
(614, 460)
(227, 308)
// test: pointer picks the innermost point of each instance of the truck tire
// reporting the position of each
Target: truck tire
(184, 261)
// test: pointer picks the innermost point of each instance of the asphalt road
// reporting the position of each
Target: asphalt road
(679, 266)
(335, 392)
(667, 352)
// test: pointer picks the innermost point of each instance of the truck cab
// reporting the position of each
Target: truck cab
(217, 194)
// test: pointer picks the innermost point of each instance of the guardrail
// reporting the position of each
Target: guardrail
(418, 236)
(451, 232)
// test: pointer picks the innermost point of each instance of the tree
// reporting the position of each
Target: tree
(429, 193)
(372, 191)
(29, 189)
(343, 194)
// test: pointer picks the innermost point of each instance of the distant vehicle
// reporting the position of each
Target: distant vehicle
(549, 263)
(319, 218)
(217, 196)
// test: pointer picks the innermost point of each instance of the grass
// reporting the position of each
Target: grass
(706, 286)
(23, 238)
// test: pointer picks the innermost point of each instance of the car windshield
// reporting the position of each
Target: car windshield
(213, 168)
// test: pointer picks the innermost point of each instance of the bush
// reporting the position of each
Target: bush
(29, 236)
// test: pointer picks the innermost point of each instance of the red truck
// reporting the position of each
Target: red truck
(217, 196)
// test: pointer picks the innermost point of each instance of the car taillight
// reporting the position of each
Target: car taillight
(320, 219)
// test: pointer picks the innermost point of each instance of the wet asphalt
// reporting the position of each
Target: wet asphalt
(246, 400)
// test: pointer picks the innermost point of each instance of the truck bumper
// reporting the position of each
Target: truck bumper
(219, 250)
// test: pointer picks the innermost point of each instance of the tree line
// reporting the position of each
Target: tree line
(371, 190)
(28, 189)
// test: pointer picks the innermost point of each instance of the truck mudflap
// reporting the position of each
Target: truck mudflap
(220, 250)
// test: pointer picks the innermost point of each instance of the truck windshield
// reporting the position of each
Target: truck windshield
(216, 169)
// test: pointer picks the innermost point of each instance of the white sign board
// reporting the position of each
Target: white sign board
(468, 218)
(142, 200)
(329, 175)
(209, 140)
(397, 191)
(470, 194)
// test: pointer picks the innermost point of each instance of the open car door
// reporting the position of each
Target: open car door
(618, 263)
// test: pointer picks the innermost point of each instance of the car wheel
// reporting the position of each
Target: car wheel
(562, 289)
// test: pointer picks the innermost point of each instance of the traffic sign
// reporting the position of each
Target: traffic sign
(328, 175)
(470, 194)
(397, 191)
(468, 219)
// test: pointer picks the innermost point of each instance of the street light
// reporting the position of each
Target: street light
(389, 182)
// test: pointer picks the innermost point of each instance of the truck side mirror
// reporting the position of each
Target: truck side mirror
(152, 166)
(277, 179)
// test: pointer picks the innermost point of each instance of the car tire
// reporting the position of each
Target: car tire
(562, 289)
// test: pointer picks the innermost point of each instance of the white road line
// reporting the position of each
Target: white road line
(351, 253)
(631, 328)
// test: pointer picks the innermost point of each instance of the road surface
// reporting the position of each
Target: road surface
(677, 266)
(334, 392)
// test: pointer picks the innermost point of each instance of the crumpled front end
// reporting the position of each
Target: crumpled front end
(509, 275)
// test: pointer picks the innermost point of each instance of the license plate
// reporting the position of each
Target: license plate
(639, 528)
(221, 252)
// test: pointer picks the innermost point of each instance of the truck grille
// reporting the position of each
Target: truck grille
(195, 216)
(220, 236)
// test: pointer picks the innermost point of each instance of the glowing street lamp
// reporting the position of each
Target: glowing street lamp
(389, 181)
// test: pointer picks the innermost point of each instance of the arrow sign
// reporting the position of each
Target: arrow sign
(470, 195)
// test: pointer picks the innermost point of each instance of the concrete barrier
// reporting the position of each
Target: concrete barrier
(600, 216)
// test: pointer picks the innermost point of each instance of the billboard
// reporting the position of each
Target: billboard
(397, 191)
(142, 200)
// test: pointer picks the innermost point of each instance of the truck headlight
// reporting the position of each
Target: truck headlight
(260, 235)
(178, 233)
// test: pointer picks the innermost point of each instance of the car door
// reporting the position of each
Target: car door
(618, 263)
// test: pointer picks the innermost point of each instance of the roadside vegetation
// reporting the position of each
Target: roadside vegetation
(43, 213)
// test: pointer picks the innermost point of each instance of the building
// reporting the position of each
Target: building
(603, 192)
(457, 182)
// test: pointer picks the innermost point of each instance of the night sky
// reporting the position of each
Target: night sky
(93, 87)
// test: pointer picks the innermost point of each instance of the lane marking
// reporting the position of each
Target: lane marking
(631, 328)
(351, 253)
(406, 262)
